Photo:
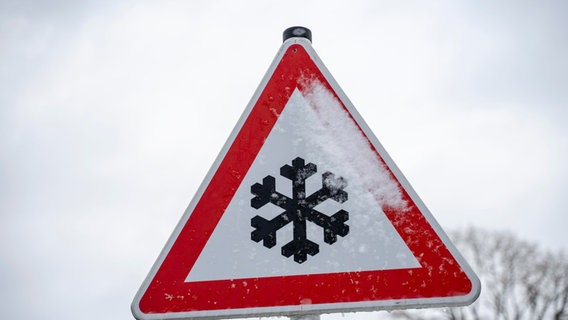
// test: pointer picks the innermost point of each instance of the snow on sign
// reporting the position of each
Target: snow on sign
(303, 212)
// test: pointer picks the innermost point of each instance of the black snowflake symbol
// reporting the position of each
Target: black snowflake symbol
(299, 209)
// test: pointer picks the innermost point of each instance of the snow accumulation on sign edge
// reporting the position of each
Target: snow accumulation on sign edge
(352, 147)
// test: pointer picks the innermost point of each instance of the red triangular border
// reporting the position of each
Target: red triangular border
(440, 276)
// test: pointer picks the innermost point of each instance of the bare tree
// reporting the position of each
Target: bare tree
(520, 281)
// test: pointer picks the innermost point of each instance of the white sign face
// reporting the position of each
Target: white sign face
(303, 212)
(372, 242)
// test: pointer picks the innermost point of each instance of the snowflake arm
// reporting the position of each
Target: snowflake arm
(266, 192)
(332, 226)
(332, 188)
(266, 229)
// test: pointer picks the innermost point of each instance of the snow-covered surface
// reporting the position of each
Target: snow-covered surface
(315, 127)
(338, 142)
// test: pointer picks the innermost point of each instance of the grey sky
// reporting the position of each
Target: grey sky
(112, 112)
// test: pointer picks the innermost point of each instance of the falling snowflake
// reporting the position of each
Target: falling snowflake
(299, 209)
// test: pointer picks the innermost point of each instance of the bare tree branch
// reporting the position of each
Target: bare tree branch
(520, 281)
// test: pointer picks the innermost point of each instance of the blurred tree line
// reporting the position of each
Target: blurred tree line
(519, 280)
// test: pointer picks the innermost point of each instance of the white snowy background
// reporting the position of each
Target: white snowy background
(111, 113)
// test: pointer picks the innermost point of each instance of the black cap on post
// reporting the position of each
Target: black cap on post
(299, 32)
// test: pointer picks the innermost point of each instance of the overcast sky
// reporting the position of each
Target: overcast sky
(111, 113)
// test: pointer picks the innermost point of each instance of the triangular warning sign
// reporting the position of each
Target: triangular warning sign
(303, 211)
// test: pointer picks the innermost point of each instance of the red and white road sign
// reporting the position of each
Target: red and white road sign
(303, 211)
